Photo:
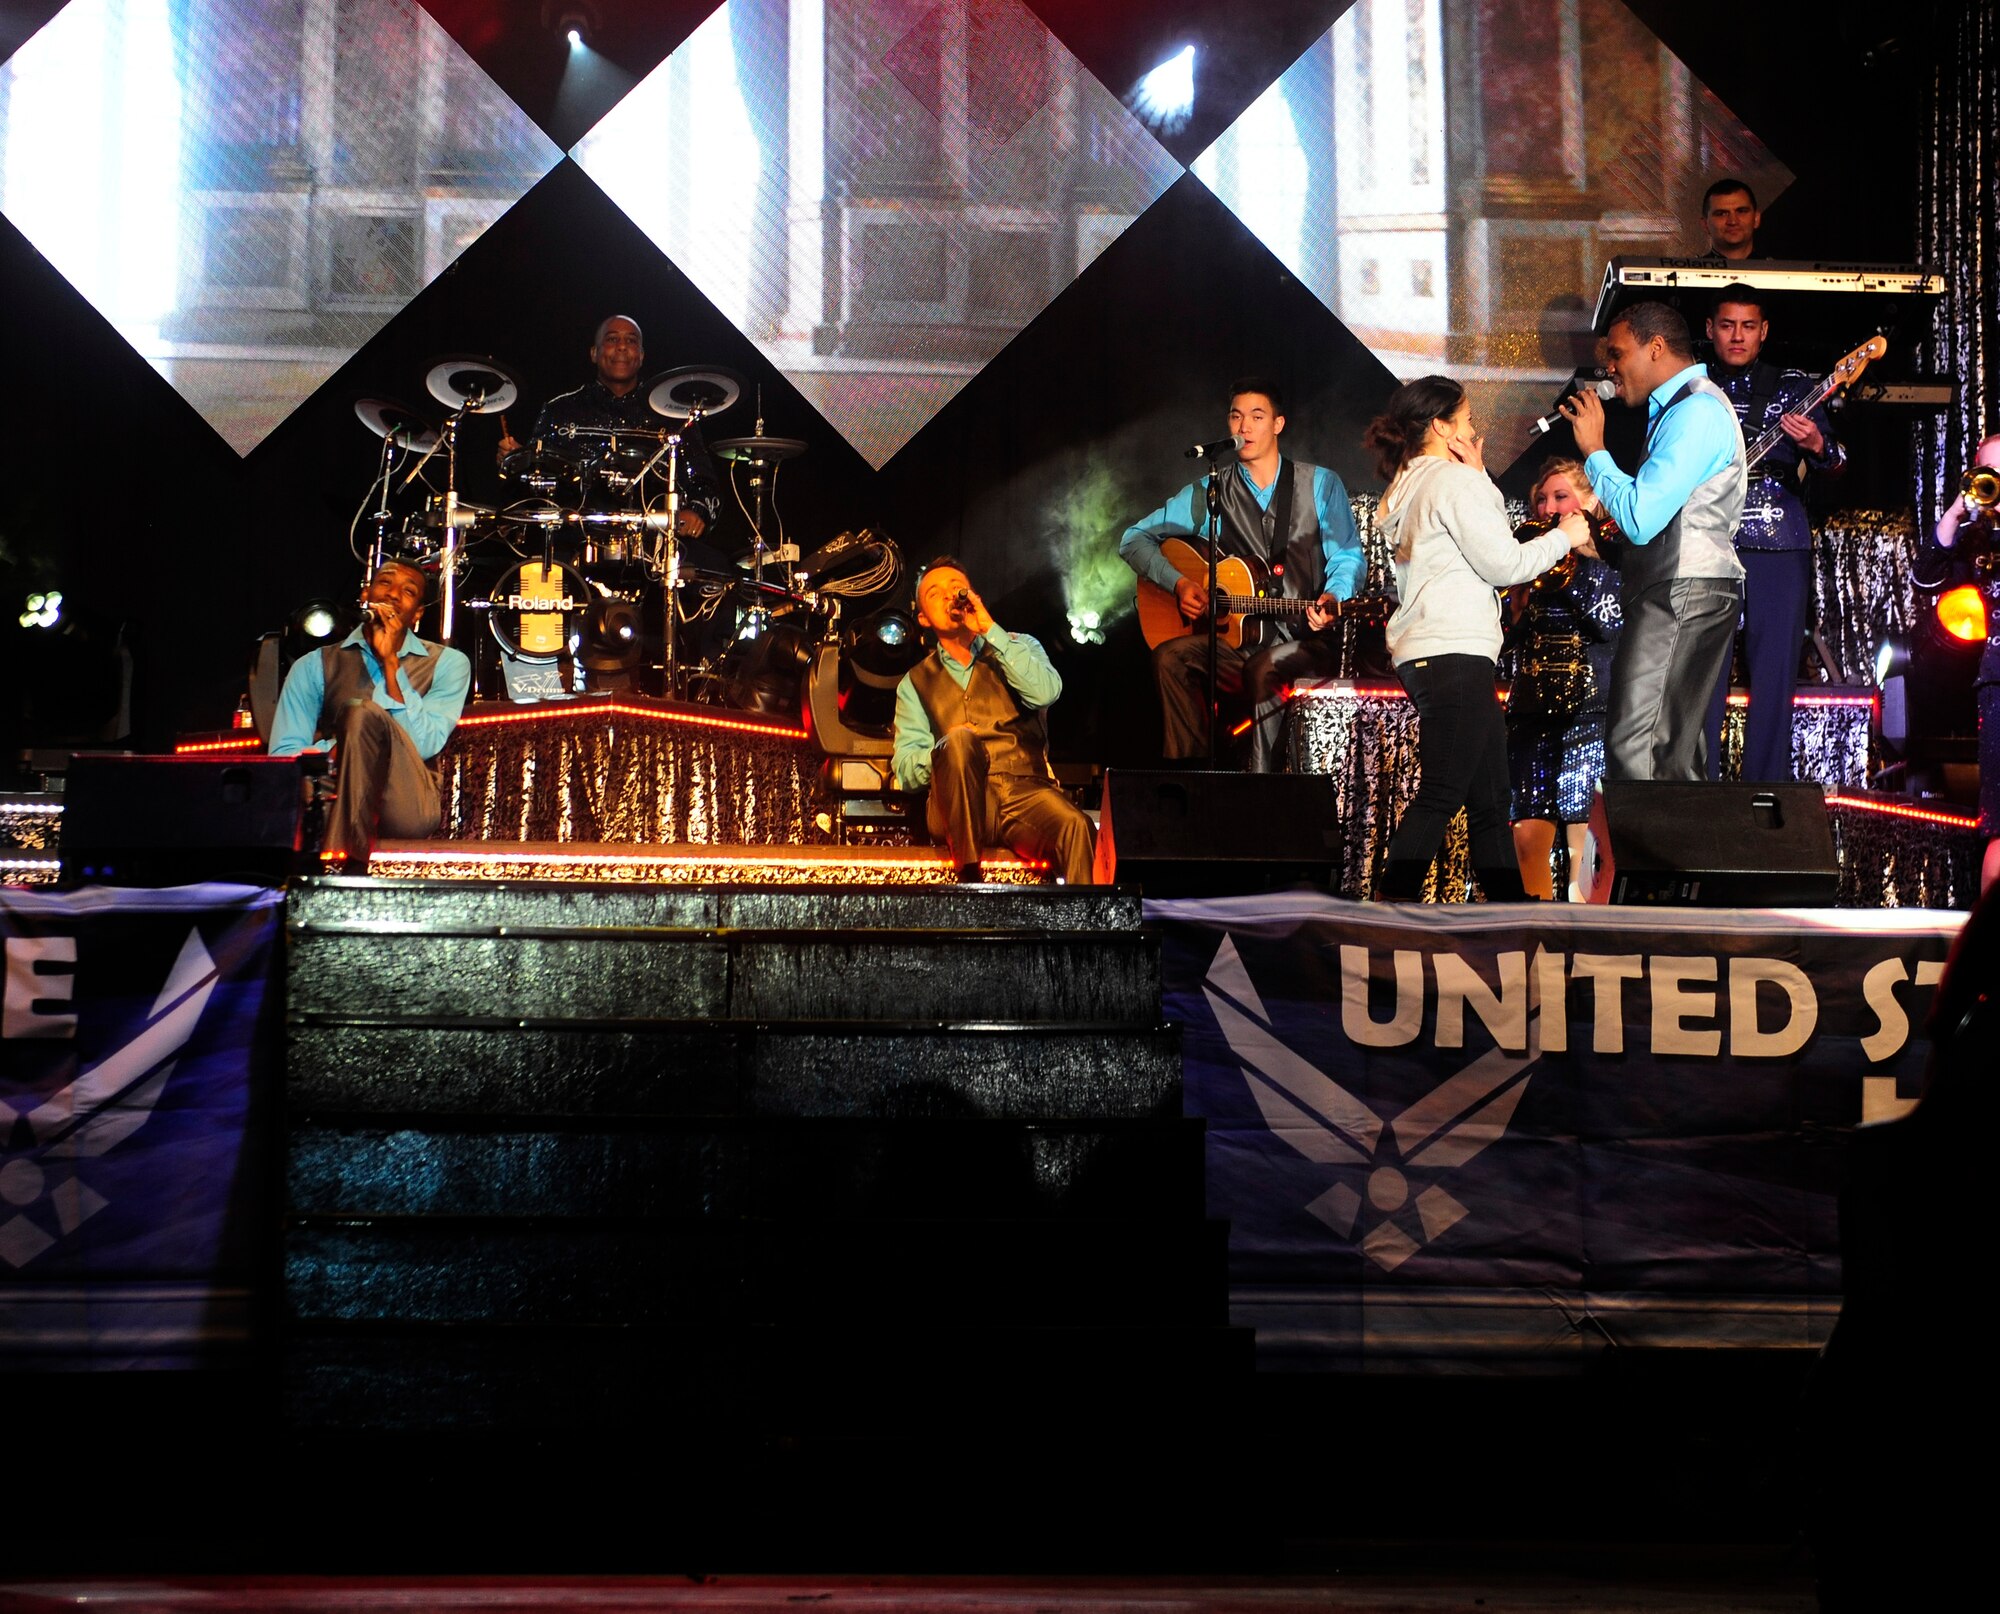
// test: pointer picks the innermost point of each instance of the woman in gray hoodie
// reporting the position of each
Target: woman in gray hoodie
(1453, 549)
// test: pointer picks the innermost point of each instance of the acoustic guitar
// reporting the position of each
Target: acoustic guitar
(1245, 597)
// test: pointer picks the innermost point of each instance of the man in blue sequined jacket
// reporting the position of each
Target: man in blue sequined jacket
(1774, 541)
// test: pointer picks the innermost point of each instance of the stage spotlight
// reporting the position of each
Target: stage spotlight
(313, 626)
(1164, 98)
(1961, 612)
(575, 20)
(42, 610)
(1890, 661)
(874, 655)
(608, 647)
(1085, 627)
(882, 647)
(315, 620)
(767, 673)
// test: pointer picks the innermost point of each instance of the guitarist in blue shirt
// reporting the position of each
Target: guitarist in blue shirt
(1289, 518)
(1775, 539)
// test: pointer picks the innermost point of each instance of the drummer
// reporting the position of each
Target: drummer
(614, 398)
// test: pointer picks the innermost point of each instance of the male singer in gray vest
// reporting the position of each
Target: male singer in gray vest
(1289, 516)
(970, 724)
(1679, 581)
(386, 702)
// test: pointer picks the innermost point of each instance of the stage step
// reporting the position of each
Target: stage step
(660, 973)
(776, 1380)
(785, 1168)
(531, 1125)
(893, 1069)
(342, 904)
(592, 1273)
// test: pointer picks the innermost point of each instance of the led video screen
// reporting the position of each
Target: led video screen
(1450, 180)
(878, 193)
(249, 189)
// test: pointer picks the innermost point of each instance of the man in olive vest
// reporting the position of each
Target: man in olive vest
(385, 702)
(1291, 518)
(970, 724)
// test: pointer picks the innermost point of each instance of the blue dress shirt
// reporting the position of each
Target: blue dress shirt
(1686, 445)
(427, 719)
(1021, 661)
(1185, 515)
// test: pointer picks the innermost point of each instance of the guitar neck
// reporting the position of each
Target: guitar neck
(1769, 440)
(1261, 605)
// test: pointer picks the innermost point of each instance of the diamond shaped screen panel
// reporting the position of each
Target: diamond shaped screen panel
(1459, 222)
(249, 189)
(878, 193)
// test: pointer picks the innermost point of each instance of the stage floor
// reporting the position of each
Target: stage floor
(1753, 1588)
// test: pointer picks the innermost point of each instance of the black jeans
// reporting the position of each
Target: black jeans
(1462, 756)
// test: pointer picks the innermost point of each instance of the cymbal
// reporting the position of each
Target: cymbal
(389, 419)
(758, 450)
(677, 394)
(473, 382)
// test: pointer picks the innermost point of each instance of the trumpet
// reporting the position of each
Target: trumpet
(1603, 531)
(1980, 487)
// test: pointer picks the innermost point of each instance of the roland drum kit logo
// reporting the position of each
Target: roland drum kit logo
(543, 604)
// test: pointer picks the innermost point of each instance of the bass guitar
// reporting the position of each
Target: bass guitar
(1245, 598)
(1843, 374)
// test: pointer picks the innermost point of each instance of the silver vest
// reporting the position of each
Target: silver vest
(1701, 540)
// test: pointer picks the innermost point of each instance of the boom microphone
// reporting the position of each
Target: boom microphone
(1604, 387)
(1208, 451)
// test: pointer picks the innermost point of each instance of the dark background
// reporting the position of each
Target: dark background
(115, 491)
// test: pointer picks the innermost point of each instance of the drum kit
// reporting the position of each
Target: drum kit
(592, 571)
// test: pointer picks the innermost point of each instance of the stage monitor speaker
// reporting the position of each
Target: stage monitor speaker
(1681, 843)
(1217, 834)
(153, 821)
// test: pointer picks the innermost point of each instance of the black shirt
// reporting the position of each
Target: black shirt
(594, 404)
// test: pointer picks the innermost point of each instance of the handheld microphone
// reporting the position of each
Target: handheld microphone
(1208, 451)
(1604, 387)
(961, 601)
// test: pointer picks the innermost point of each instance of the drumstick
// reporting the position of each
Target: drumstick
(504, 432)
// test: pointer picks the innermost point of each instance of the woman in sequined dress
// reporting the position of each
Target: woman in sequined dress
(1973, 528)
(1563, 637)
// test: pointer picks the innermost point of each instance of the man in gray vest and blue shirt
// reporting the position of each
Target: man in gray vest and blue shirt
(385, 702)
(1679, 581)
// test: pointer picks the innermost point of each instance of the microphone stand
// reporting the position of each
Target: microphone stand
(1214, 490)
(376, 548)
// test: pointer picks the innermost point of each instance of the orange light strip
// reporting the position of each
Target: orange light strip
(249, 742)
(1376, 692)
(1897, 809)
(496, 853)
(1355, 692)
(618, 709)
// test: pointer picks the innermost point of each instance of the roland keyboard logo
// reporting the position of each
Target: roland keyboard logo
(541, 604)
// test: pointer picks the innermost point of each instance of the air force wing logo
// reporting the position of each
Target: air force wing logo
(42, 1184)
(1401, 1162)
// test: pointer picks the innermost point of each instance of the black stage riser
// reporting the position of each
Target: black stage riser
(757, 1381)
(733, 975)
(570, 1137)
(377, 1065)
(1130, 1172)
(1070, 1273)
